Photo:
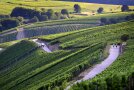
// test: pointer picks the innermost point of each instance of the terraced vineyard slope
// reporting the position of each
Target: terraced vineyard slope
(78, 50)
(118, 76)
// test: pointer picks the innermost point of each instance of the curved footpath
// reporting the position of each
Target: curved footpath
(42, 44)
(1, 49)
(20, 34)
(97, 69)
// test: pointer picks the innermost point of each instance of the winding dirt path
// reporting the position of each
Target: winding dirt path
(20, 34)
(1, 49)
(97, 69)
(42, 45)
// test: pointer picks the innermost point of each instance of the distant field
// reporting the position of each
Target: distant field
(6, 6)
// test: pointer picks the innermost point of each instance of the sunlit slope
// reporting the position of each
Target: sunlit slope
(6, 6)
(108, 33)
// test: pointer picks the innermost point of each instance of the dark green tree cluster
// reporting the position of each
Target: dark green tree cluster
(106, 21)
(24, 12)
(32, 15)
(4, 16)
(9, 23)
(124, 8)
(42, 15)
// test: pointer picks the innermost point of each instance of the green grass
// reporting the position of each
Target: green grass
(6, 8)
(7, 44)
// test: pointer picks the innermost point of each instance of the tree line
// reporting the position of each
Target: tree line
(106, 21)
(21, 15)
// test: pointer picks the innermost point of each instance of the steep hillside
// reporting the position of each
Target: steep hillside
(78, 51)
(118, 76)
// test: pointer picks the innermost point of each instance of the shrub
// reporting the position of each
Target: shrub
(43, 18)
(124, 37)
(10, 23)
(124, 8)
(64, 12)
(50, 13)
(58, 15)
(100, 10)
(34, 19)
(77, 8)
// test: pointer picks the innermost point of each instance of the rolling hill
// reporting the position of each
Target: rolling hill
(77, 51)
(116, 2)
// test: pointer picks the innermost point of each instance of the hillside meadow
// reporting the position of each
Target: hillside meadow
(6, 6)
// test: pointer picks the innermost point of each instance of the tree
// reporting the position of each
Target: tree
(100, 10)
(124, 8)
(50, 13)
(64, 11)
(24, 12)
(10, 23)
(58, 15)
(43, 9)
(77, 8)
(124, 37)
(43, 18)
(34, 19)
(21, 19)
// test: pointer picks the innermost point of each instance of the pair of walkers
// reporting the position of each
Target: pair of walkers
(115, 45)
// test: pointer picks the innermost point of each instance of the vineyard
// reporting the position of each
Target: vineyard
(55, 29)
(78, 50)
(8, 37)
(41, 50)
(89, 36)
(58, 26)
(118, 76)
(25, 73)
(10, 55)
(82, 20)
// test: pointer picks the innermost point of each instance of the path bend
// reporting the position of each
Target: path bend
(114, 52)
